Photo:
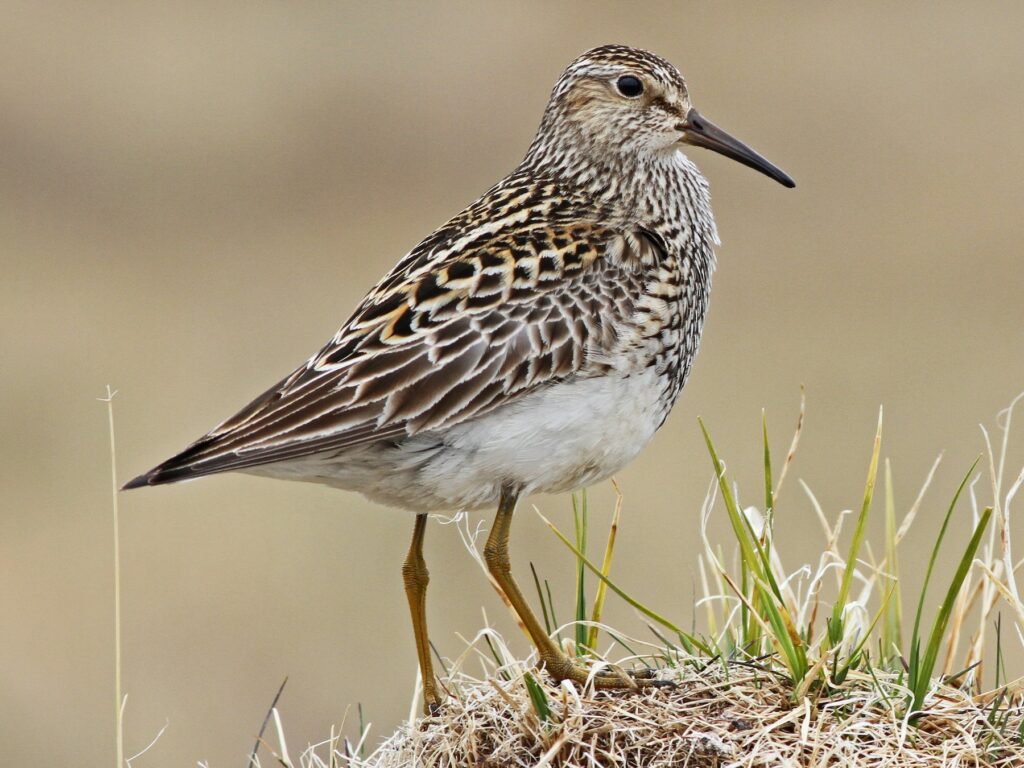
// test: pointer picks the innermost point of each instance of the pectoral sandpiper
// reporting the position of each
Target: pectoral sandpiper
(533, 343)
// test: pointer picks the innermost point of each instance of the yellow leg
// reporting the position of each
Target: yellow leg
(557, 663)
(416, 577)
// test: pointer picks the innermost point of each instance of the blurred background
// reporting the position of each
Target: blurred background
(193, 196)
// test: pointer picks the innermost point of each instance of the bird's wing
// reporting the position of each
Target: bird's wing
(457, 329)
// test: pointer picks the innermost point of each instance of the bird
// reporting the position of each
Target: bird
(533, 343)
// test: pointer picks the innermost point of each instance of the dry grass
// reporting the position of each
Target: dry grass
(717, 715)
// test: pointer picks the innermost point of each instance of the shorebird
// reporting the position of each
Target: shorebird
(533, 343)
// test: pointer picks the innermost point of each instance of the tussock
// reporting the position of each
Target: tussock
(736, 714)
(813, 666)
(717, 716)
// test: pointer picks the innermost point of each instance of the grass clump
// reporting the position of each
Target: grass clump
(805, 667)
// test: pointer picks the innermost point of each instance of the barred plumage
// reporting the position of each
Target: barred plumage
(534, 342)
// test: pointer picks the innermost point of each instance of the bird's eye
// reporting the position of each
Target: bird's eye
(629, 86)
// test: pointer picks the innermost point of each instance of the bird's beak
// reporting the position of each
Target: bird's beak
(701, 132)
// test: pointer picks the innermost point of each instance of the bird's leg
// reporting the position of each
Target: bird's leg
(416, 577)
(554, 659)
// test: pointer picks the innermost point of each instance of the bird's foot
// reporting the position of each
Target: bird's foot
(613, 678)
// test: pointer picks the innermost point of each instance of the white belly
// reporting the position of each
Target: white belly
(557, 439)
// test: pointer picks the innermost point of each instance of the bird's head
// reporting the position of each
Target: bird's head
(616, 100)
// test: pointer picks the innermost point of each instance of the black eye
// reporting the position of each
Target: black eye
(629, 86)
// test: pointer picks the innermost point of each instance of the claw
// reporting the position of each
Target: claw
(645, 678)
(654, 683)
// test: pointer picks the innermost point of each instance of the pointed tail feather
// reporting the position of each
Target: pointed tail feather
(177, 468)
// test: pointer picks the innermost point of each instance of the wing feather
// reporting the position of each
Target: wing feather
(460, 331)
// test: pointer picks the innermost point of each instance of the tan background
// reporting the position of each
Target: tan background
(193, 197)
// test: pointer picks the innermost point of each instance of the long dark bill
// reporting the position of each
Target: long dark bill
(701, 132)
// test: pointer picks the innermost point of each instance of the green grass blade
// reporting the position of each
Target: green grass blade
(791, 647)
(747, 624)
(769, 511)
(855, 656)
(538, 698)
(768, 502)
(582, 523)
(1000, 661)
(892, 628)
(762, 604)
(497, 659)
(735, 516)
(764, 570)
(915, 637)
(836, 625)
(748, 541)
(551, 607)
(878, 686)
(606, 567)
(543, 602)
(939, 627)
(624, 595)
(777, 625)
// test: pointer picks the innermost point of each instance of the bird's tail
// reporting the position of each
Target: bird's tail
(182, 466)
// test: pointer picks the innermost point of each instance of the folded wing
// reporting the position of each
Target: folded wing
(445, 337)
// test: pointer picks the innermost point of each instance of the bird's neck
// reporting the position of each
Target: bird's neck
(662, 191)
